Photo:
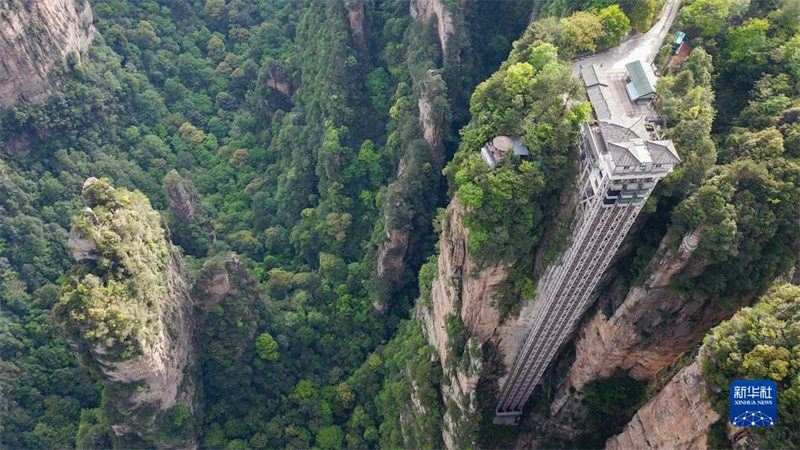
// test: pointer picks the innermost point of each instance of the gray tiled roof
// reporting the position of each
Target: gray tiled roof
(621, 154)
(614, 132)
(621, 131)
(663, 152)
(592, 75)
(599, 102)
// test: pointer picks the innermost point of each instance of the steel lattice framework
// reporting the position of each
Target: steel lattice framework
(620, 166)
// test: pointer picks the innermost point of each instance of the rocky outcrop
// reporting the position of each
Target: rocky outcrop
(127, 312)
(34, 36)
(159, 368)
(357, 19)
(647, 334)
(81, 246)
(181, 195)
(402, 194)
(274, 75)
(463, 290)
(425, 10)
(391, 260)
(473, 294)
(470, 293)
(188, 222)
(460, 287)
(678, 417)
(431, 118)
(627, 340)
(219, 278)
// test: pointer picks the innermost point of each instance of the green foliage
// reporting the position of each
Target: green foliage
(266, 347)
(748, 45)
(790, 51)
(247, 101)
(378, 85)
(760, 342)
(610, 403)
(427, 274)
(747, 217)
(708, 17)
(614, 24)
(590, 31)
(330, 437)
(687, 102)
(759, 145)
(388, 382)
(640, 12)
(175, 424)
(507, 204)
(581, 33)
(456, 338)
(115, 301)
(290, 137)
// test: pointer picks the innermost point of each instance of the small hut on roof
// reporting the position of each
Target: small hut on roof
(498, 147)
(503, 144)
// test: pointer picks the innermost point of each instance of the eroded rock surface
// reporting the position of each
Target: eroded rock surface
(357, 20)
(34, 36)
(181, 195)
(425, 10)
(677, 418)
(625, 340)
(127, 311)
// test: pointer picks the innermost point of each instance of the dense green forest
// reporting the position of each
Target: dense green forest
(272, 130)
(286, 129)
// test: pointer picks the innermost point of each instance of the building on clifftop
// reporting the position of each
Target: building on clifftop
(622, 158)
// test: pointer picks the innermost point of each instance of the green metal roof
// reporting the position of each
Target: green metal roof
(639, 78)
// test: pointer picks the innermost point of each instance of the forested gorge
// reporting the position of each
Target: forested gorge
(299, 155)
(272, 130)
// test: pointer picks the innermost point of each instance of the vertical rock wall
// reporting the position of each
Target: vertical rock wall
(460, 289)
(677, 418)
(34, 36)
(127, 311)
(425, 10)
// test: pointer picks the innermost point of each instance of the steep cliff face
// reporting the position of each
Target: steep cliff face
(358, 22)
(627, 340)
(432, 119)
(461, 288)
(464, 316)
(34, 36)
(647, 334)
(392, 252)
(460, 293)
(678, 417)
(652, 328)
(220, 278)
(181, 195)
(127, 311)
(425, 10)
